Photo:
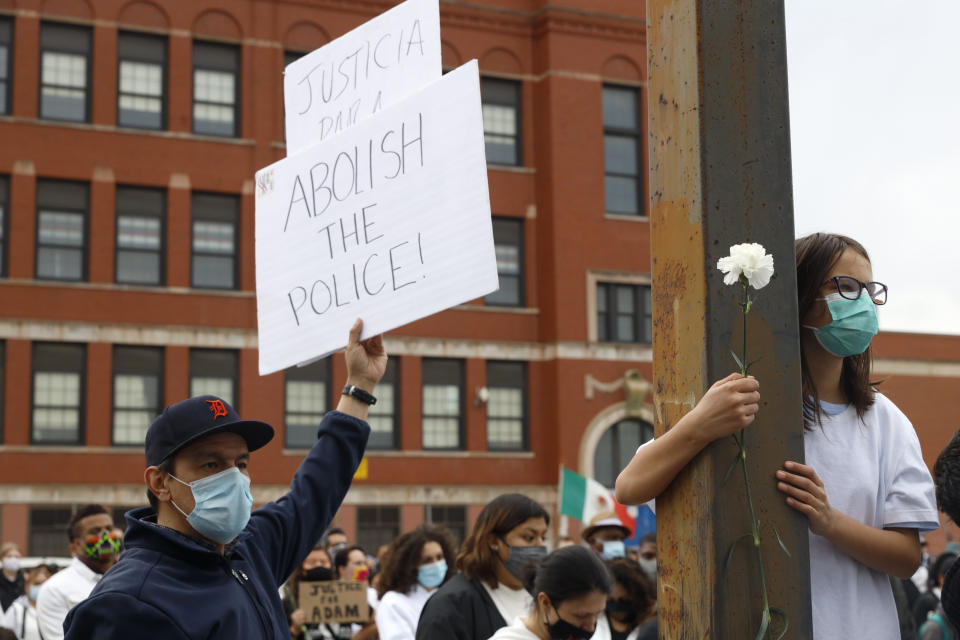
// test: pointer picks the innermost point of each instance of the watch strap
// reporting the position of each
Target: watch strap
(356, 392)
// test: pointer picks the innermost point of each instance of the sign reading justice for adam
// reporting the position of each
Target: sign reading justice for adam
(377, 64)
(334, 601)
(388, 221)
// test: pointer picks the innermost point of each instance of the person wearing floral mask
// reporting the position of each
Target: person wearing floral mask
(11, 578)
(415, 565)
(21, 616)
(864, 487)
(94, 549)
(507, 541)
(197, 563)
(570, 588)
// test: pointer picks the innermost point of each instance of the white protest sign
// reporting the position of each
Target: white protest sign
(388, 221)
(379, 63)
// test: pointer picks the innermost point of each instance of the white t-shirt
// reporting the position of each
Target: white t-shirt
(63, 591)
(399, 613)
(511, 603)
(516, 631)
(602, 632)
(873, 472)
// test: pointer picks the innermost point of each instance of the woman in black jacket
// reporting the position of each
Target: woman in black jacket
(509, 537)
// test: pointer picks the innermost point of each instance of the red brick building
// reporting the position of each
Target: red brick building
(130, 131)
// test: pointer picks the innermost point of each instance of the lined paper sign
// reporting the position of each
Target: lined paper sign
(377, 64)
(388, 221)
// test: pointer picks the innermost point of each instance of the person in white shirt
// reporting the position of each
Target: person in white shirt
(570, 588)
(414, 566)
(865, 489)
(94, 545)
(21, 615)
(508, 538)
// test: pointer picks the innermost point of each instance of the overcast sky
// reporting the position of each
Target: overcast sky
(875, 128)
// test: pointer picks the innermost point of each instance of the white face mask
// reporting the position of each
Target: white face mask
(649, 567)
(11, 563)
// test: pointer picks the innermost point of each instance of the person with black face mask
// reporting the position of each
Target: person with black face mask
(316, 567)
(507, 540)
(570, 588)
(630, 605)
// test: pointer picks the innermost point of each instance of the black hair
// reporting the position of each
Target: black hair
(341, 557)
(940, 568)
(817, 254)
(401, 563)
(650, 537)
(167, 467)
(640, 590)
(83, 512)
(497, 519)
(570, 572)
(946, 477)
(329, 532)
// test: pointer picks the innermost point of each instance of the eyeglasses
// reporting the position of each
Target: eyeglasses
(850, 288)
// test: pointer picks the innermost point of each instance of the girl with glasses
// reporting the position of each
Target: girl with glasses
(864, 487)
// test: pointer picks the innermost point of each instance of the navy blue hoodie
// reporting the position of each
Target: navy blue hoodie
(169, 585)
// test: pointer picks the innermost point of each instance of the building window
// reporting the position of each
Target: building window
(617, 447)
(4, 205)
(214, 372)
(622, 147)
(454, 518)
(443, 404)
(382, 417)
(377, 526)
(142, 63)
(216, 89)
(58, 374)
(307, 395)
(215, 234)
(140, 234)
(65, 72)
(6, 60)
(500, 101)
(508, 243)
(507, 406)
(48, 531)
(137, 392)
(62, 230)
(623, 313)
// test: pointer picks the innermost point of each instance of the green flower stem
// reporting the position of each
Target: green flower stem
(746, 310)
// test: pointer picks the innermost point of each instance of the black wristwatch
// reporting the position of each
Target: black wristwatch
(358, 393)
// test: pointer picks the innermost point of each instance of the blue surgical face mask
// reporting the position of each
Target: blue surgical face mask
(432, 575)
(35, 592)
(222, 506)
(852, 328)
(613, 549)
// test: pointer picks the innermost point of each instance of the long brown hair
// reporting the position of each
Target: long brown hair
(498, 518)
(402, 561)
(817, 254)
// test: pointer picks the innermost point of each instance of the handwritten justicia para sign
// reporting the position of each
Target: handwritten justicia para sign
(388, 221)
(355, 76)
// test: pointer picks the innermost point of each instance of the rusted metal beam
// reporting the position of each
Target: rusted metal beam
(720, 175)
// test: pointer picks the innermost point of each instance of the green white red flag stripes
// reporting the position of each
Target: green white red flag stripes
(583, 498)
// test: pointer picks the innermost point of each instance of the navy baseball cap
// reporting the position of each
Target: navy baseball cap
(195, 418)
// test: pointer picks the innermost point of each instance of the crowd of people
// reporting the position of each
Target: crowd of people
(423, 588)
(198, 563)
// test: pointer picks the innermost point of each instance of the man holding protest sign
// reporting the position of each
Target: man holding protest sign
(203, 566)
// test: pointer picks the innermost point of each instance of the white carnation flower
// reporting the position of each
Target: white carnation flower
(749, 260)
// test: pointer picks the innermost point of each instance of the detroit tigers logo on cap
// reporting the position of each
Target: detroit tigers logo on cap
(217, 408)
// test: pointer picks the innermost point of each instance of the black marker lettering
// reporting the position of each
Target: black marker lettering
(329, 239)
(336, 293)
(296, 307)
(394, 269)
(294, 199)
(313, 303)
(399, 158)
(366, 286)
(418, 139)
(366, 225)
(317, 210)
(376, 51)
(355, 234)
(419, 41)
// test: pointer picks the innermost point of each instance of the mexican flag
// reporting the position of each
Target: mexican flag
(583, 498)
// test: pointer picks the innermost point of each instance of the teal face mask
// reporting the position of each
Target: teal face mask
(853, 326)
